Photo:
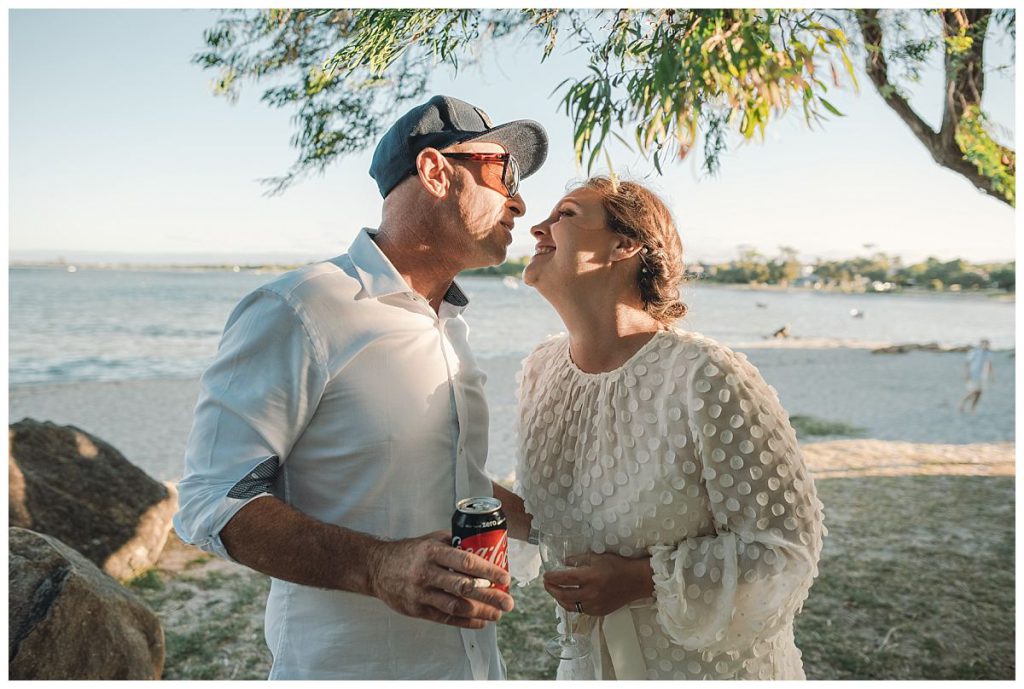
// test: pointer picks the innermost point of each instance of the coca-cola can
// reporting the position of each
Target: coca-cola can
(479, 526)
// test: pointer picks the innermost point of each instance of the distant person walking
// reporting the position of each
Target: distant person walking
(977, 371)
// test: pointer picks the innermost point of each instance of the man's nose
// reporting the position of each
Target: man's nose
(517, 205)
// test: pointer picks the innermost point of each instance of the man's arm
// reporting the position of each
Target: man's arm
(411, 576)
(518, 519)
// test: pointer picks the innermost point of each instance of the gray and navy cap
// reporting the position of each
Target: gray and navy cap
(443, 121)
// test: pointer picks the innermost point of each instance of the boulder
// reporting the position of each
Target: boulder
(69, 620)
(73, 486)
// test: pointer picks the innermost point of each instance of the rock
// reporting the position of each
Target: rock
(69, 620)
(930, 347)
(73, 486)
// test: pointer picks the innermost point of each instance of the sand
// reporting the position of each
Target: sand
(909, 397)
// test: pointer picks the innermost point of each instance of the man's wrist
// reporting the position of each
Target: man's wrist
(375, 554)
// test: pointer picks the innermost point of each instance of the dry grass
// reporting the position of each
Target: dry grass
(212, 614)
(917, 578)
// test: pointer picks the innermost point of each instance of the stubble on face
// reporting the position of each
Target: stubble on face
(481, 210)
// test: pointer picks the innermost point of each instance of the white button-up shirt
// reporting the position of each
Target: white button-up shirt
(339, 390)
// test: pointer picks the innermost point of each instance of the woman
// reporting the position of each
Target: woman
(706, 527)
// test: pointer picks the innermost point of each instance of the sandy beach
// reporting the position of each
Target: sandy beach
(909, 397)
(912, 484)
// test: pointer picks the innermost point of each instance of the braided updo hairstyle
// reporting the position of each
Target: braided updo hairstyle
(636, 212)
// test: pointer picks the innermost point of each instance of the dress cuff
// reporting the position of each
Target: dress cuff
(668, 590)
(523, 562)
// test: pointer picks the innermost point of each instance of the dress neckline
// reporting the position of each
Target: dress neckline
(615, 371)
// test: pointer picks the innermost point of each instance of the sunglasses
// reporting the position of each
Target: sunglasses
(509, 169)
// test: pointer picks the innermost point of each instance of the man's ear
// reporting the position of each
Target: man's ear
(625, 247)
(434, 172)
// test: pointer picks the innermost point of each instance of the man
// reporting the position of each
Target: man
(977, 371)
(344, 416)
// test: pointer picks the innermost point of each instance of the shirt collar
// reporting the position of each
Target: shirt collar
(380, 278)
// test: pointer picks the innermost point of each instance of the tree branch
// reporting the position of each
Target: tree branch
(878, 71)
(964, 81)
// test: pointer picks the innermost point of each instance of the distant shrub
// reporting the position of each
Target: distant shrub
(807, 426)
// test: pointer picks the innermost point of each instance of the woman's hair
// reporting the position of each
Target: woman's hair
(636, 212)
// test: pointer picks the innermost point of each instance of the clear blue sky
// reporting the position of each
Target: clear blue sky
(118, 146)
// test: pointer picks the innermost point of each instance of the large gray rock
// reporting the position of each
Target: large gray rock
(68, 620)
(71, 485)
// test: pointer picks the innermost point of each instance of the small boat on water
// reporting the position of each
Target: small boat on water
(510, 282)
(856, 313)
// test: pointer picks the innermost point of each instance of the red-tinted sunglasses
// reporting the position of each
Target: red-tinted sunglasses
(509, 170)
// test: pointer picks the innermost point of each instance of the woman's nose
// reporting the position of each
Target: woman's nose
(538, 231)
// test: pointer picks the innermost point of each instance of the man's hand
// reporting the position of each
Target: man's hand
(602, 586)
(414, 577)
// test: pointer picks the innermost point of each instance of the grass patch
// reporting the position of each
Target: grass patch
(917, 580)
(198, 561)
(149, 580)
(213, 625)
(522, 633)
(811, 426)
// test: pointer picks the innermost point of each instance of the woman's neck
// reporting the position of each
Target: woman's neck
(603, 336)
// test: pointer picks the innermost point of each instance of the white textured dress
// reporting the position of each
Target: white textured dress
(685, 454)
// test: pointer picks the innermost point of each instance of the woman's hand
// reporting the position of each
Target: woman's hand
(602, 586)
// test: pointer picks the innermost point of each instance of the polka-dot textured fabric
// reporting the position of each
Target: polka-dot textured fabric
(684, 454)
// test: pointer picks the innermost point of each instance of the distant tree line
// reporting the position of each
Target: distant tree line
(879, 272)
(513, 267)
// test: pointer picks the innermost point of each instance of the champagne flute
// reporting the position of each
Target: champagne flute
(563, 550)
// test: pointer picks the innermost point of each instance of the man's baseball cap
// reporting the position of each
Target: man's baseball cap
(443, 121)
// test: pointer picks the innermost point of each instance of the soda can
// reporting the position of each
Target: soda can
(479, 526)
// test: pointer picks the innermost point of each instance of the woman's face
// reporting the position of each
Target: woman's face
(572, 241)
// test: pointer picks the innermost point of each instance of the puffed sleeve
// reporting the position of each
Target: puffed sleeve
(751, 576)
(255, 400)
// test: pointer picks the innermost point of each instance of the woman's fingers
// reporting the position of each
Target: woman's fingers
(566, 577)
(566, 597)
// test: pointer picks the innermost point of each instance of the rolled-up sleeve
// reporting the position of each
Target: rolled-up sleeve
(255, 400)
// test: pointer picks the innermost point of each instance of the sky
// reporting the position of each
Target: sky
(118, 148)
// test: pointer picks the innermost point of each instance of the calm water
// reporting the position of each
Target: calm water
(119, 325)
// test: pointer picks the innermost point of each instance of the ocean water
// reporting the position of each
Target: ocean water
(130, 325)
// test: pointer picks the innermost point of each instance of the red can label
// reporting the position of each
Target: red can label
(490, 545)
